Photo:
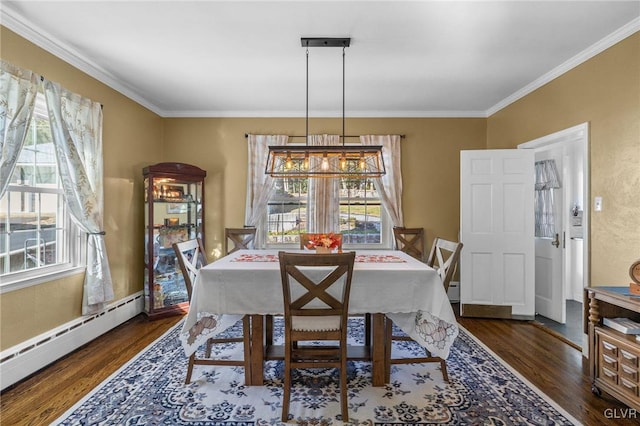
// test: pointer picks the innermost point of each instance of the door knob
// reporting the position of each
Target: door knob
(556, 241)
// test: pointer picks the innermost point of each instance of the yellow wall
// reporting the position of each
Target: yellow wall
(604, 91)
(132, 138)
(430, 163)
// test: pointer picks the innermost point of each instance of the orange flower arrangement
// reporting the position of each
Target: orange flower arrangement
(330, 240)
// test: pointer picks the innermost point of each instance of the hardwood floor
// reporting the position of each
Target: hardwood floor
(556, 368)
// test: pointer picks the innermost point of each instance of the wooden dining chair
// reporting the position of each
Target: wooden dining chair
(443, 258)
(304, 245)
(410, 241)
(191, 257)
(312, 313)
(239, 238)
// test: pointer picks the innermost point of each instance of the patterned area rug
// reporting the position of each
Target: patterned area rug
(150, 390)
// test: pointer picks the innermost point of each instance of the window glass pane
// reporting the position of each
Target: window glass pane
(34, 223)
(360, 212)
(287, 212)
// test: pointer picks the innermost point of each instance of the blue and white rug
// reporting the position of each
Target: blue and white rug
(150, 390)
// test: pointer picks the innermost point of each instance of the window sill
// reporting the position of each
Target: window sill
(9, 284)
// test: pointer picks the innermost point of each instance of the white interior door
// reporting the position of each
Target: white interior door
(497, 229)
(550, 290)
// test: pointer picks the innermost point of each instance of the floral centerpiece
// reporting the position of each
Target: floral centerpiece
(324, 242)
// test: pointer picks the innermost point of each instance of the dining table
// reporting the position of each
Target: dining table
(388, 284)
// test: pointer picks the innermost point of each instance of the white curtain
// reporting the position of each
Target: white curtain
(389, 186)
(18, 89)
(259, 184)
(76, 128)
(546, 181)
(324, 194)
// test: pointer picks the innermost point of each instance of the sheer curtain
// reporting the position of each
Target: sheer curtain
(18, 90)
(546, 181)
(324, 194)
(76, 128)
(259, 184)
(389, 186)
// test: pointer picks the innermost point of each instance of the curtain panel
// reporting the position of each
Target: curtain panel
(76, 127)
(389, 186)
(324, 194)
(259, 184)
(547, 180)
(18, 90)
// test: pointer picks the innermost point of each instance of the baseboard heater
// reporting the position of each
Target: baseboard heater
(24, 359)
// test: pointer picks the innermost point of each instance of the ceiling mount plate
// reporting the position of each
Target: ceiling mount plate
(325, 42)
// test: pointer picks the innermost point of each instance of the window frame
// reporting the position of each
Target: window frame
(74, 242)
(386, 240)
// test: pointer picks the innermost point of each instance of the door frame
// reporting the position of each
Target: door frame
(578, 133)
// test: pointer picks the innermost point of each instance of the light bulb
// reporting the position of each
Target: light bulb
(343, 162)
(325, 162)
(362, 164)
(305, 163)
(288, 164)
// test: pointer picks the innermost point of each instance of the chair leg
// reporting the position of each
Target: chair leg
(367, 330)
(207, 351)
(344, 397)
(268, 329)
(443, 367)
(388, 346)
(246, 340)
(192, 359)
(286, 395)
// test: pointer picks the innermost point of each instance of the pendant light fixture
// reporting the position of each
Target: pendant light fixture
(333, 161)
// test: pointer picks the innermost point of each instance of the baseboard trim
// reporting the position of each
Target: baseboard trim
(486, 311)
(26, 358)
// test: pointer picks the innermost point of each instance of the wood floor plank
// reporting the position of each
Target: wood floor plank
(44, 396)
(556, 368)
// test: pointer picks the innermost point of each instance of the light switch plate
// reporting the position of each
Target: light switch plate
(597, 204)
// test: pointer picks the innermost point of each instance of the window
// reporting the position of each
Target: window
(363, 222)
(37, 235)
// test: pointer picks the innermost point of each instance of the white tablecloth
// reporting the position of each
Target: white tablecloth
(384, 281)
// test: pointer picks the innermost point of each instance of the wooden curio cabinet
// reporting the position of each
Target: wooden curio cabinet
(174, 212)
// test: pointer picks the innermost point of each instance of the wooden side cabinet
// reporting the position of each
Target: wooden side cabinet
(614, 357)
(174, 212)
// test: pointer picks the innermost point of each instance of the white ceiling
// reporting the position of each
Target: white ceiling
(241, 58)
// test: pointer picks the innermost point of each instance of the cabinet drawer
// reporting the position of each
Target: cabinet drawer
(608, 375)
(628, 387)
(628, 358)
(628, 373)
(609, 362)
(608, 347)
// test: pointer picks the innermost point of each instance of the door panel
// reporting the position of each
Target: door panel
(550, 291)
(497, 225)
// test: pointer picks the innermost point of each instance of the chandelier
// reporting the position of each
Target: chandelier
(332, 161)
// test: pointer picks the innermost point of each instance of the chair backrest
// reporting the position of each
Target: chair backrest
(410, 241)
(444, 257)
(306, 237)
(241, 238)
(308, 305)
(191, 257)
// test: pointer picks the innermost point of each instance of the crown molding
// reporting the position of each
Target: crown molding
(598, 47)
(324, 114)
(21, 26)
